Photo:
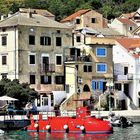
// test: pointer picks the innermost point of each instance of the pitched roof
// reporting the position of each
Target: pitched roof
(130, 44)
(74, 15)
(37, 11)
(30, 20)
(126, 21)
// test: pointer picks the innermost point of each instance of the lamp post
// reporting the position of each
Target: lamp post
(109, 85)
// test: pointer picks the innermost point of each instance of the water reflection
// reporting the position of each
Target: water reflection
(131, 133)
(68, 136)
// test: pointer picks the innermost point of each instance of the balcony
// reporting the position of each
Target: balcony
(124, 78)
(47, 68)
(79, 58)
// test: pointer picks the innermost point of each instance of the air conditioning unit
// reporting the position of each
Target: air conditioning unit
(80, 80)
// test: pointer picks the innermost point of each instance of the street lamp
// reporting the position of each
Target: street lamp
(109, 86)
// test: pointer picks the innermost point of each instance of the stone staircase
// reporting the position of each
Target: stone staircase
(71, 104)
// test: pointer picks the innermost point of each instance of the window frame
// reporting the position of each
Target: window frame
(4, 60)
(105, 65)
(59, 79)
(30, 81)
(49, 80)
(87, 68)
(93, 20)
(45, 40)
(78, 38)
(31, 42)
(4, 40)
(32, 54)
(78, 20)
(58, 44)
(58, 55)
(101, 55)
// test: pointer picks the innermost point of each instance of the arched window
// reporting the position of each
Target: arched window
(86, 88)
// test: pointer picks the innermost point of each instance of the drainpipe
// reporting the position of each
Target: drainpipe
(15, 54)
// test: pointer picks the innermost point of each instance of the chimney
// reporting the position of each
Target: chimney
(29, 13)
(9, 14)
(3, 17)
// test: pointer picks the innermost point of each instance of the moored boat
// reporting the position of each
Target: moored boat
(81, 123)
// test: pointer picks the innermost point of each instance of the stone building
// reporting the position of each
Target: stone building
(31, 50)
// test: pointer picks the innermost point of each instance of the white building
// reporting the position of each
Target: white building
(127, 71)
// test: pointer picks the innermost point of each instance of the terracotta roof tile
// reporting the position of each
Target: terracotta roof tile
(126, 21)
(130, 44)
(76, 14)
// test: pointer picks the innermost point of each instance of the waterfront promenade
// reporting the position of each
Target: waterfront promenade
(134, 115)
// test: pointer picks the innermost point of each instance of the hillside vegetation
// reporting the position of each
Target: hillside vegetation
(63, 8)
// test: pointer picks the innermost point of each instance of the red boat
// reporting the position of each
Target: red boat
(81, 123)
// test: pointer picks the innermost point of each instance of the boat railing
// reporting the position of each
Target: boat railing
(55, 113)
(17, 115)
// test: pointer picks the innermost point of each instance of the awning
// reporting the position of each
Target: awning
(7, 98)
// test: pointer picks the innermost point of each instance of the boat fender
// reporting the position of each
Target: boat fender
(82, 128)
(65, 126)
(48, 127)
(35, 125)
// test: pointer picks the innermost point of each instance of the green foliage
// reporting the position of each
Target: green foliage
(64, 8)
(16, 90)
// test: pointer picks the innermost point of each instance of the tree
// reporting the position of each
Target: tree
(14, 89)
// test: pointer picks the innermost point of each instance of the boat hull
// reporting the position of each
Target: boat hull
(71, 125)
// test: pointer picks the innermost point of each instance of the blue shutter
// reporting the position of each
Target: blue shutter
(100, 85)
(93, 85)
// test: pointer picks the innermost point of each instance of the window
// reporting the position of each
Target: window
(59, 80)
(118, 86)
(86, 88)
(4, 60)
(93, 20)
(45, 63)
(67, 88)
(78, 39)
(58, 60)
(125, 70)
(77, 21)
(45, 100)
(32, 59)
(130, 28)
(45, 79)
(31, 40)
(58, 41)
(87, 68)
(32, 79)
(101, 52)
(44, 40)
(101, 68)
(4, 75)
(4, 40)
(97, 85)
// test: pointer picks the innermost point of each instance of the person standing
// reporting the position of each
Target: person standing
(10, 110)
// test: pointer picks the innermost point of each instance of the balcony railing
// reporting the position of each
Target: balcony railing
(127, 77)
(47, 68)
(79, 58)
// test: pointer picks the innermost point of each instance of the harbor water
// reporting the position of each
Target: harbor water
(130, 133)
